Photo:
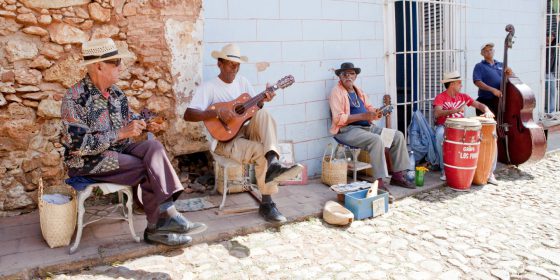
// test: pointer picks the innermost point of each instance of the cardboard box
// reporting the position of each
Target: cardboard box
(363, 207)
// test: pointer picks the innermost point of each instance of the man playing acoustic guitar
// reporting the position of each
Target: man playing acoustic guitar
(352, 117)
(256, 142)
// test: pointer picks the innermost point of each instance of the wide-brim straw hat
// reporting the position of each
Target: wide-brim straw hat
(451, 77)
(98, 50)
(230, 52)
(347, 66)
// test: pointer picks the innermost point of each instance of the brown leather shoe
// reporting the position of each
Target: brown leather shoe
(402, 183)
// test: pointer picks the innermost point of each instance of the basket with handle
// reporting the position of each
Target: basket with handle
(334, 171)
(58, 221)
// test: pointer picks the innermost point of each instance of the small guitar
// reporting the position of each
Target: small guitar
(149, 116)
(245, 107)
(386, 109)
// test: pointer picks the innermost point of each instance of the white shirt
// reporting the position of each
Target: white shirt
(216, 91)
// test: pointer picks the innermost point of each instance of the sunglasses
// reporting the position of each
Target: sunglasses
(347, 74)
(115, 62)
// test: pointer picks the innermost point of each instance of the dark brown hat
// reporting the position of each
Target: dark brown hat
(347, 66)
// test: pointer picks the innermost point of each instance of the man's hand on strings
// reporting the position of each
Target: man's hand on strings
(269, 94)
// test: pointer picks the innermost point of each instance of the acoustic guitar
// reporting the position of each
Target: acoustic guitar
(244, 107)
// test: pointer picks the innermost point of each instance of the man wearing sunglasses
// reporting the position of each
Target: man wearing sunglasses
(98, 125)
(353, 124)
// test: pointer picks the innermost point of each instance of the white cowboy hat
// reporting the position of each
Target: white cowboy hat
(451, 77)
(102, 49)
(230, 52)
(486, 45)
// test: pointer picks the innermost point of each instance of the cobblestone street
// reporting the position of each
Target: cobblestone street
(510, 231)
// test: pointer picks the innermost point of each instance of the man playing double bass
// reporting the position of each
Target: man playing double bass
(256, 142)
(487, 76)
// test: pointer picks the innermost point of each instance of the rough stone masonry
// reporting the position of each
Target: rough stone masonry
(40, 44)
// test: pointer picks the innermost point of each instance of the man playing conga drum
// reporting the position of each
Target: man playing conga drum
(451, 104)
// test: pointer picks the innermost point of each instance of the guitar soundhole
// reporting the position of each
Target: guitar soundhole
(239, 109)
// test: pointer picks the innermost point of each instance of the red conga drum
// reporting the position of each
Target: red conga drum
(487, 152)
(460, 151)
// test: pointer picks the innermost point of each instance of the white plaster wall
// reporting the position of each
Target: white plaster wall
(310, 38)
(486, 21)
(307, 39)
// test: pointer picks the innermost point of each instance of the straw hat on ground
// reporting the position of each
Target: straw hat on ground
(102, 49)
(336, 214)
(451, 77)
(230, 52)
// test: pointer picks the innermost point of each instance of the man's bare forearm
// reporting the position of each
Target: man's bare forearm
(194, 115)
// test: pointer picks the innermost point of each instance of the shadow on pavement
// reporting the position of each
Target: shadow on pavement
(122, 272)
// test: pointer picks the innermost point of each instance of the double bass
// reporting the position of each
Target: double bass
(520, 139)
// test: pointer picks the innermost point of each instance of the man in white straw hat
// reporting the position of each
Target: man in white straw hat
(97, 131)
(256, 142)
(487, 76)
(451, 104)
(353, 124)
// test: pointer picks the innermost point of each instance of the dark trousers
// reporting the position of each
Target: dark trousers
(144, 163)
(491, 103)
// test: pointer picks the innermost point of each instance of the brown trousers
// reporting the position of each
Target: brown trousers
(144, 163)
(250, 146)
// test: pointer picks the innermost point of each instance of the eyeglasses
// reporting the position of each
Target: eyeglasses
(346, 74)
(115, 62)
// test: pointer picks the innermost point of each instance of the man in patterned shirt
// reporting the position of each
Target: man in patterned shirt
(98, 125)
(451, 104)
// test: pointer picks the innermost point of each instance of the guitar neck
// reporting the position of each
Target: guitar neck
(259, 97)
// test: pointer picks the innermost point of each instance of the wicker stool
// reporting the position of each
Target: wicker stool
(111, 212)
(225, 163)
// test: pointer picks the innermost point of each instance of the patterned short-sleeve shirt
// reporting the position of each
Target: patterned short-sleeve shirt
(91, 123)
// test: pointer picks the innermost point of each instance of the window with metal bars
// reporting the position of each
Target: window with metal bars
(551, 80)
(429, 39)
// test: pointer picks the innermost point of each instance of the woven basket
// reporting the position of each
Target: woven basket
(237, 177)
(57, 221)
(334, 171)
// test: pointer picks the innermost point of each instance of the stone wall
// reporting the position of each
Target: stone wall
(40, 43)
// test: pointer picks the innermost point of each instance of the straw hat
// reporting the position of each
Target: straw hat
(347, 66)
(451, 77)
(230, 52)
(336, 214)
(102, 49)
(486, 45)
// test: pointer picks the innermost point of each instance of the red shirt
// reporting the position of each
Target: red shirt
(449, 103)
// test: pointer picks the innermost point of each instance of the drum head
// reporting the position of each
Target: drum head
(484, 120)
(463, 123)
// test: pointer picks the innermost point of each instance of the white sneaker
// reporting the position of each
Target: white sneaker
(492, 180)
(442, 177)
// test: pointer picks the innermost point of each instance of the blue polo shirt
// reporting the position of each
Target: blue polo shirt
(488, 74)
